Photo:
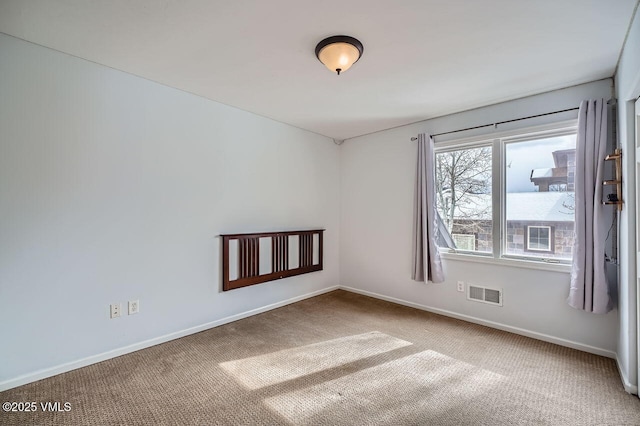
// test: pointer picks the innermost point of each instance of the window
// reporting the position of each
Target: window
(560, 187)
(464, 242)
(540, 195)
(463, 198)
(539, 238)
(531, 216)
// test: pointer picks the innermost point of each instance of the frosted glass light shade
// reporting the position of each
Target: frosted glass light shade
(339, 57)
(338, 53)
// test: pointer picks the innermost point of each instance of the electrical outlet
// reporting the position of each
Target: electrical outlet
(115, 310)
(461, 286)
(134, 307)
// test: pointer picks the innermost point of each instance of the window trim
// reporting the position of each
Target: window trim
(507, 261)
(499, 141)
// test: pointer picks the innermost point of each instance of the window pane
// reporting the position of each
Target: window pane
(464, 242)
(539, 238)
(463, 199)
(540, 197)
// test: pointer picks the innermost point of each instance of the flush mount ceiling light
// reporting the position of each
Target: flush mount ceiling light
(339, 52)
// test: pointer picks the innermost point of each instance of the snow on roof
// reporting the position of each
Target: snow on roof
(541, 206)
(541, 173)
(522, 206)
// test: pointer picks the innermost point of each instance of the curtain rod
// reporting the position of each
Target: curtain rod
(500, 122)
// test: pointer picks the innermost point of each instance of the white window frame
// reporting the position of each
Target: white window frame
(499, 141)
(548, 228)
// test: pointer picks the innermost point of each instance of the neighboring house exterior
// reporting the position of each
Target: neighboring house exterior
(561, 176)
(539, 224)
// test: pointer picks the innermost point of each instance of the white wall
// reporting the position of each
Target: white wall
(115, 188)
(378, 172)
(627, 90)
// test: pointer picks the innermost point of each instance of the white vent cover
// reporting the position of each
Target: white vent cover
(492, 296)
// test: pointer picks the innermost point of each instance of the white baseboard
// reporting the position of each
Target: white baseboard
(492, 324)
(632, 389)
(63, 368)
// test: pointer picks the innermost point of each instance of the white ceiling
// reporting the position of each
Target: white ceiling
(422, 58)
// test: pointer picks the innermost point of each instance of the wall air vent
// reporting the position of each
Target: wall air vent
(492, 296)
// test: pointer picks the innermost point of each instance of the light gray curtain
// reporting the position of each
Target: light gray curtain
(589, 290)
(426, 259)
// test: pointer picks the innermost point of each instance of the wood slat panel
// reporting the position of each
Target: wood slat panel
(241, 258)
(284, 256)
(275, 255)
(280, 253)
(306, 249)
(249, 257)
(256, 256)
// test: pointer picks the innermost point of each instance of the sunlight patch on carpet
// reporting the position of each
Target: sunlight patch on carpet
(409, 390)
(277, 367)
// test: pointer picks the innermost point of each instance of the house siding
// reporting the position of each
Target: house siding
(561, 234)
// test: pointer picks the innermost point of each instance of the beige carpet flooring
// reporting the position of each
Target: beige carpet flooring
(340, 359)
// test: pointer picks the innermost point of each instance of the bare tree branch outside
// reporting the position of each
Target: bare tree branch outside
(461, 176)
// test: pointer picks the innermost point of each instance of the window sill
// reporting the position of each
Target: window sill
(509, 262)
